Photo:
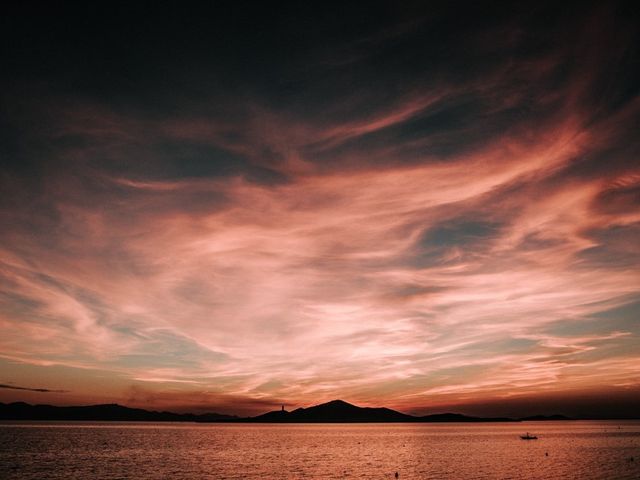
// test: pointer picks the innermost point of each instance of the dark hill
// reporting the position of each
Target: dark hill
(457, 417)
(107, 412)
(541, 418)
(336, 411)
(339, 411)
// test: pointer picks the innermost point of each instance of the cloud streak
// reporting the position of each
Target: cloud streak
(39, 390)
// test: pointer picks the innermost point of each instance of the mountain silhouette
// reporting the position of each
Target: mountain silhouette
(335, 411)
(106, 412)
(457, 417)
(539, 418)
(339, 411)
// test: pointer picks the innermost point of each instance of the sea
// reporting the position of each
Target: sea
(90, 450)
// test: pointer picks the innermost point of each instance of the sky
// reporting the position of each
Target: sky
(429, 206)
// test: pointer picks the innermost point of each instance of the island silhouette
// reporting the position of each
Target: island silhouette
(339, 411)
(335, 411)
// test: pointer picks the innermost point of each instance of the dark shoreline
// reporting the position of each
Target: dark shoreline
(335, 411)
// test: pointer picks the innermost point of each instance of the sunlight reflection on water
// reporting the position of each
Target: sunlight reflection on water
(584, 450)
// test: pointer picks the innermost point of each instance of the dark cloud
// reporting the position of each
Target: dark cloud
(40, 390)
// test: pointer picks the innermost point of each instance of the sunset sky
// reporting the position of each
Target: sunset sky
(420, 205)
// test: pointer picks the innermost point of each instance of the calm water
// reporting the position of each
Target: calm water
(581, 450)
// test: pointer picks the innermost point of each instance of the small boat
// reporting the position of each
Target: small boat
(528, 437)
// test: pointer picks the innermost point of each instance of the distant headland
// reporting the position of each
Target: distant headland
(336, 411)
(339, 411)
